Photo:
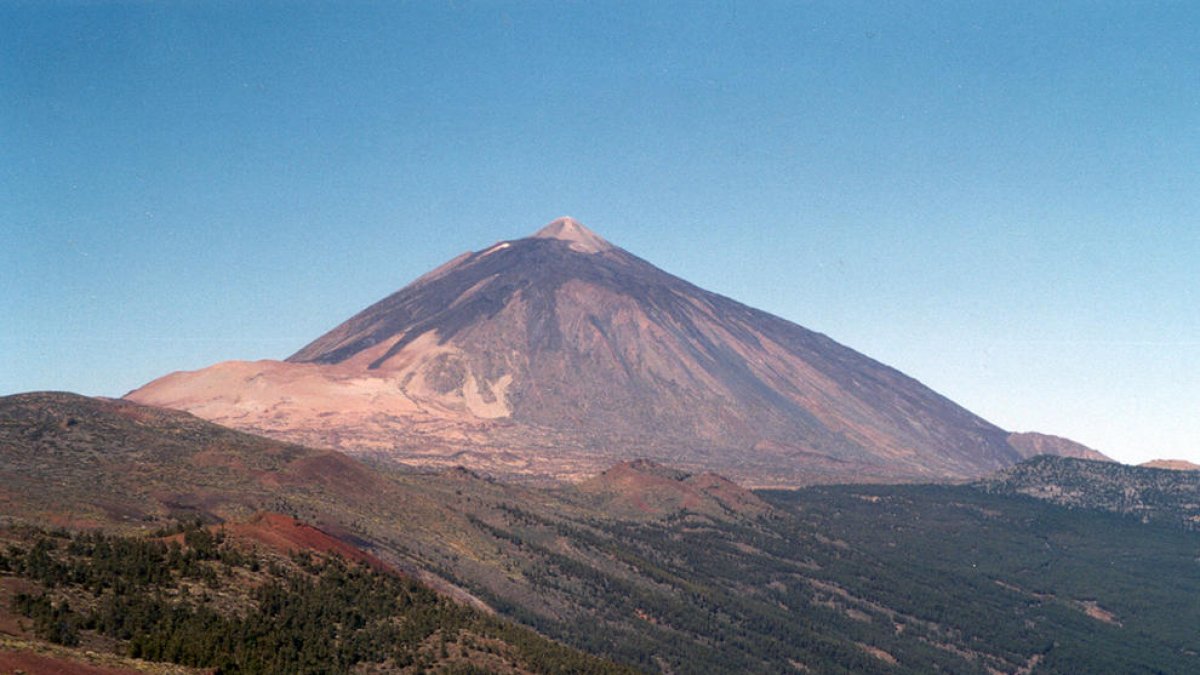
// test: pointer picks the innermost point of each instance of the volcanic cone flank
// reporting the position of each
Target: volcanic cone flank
(560, 354)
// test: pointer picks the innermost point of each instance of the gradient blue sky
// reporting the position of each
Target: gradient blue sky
(999, 198)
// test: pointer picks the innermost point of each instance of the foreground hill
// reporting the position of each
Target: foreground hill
(659, 569)
(68, 460)
(561, 354)
(203, 598)
(76, 461)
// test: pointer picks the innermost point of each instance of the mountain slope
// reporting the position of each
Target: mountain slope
(560, 354)
(207, 598)
(77, 461)
(1030, 444)
(710, 578)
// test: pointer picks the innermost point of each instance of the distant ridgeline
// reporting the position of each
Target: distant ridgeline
(1158, 495)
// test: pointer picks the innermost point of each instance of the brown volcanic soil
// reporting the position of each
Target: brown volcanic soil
(18, 655)
(37, 664)
(560, 354)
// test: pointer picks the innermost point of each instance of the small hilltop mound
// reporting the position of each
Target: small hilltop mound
(642, 488)
(1172, 464)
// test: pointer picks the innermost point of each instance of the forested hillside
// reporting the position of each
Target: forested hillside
(1146, 493)
(193, 598)
(860, 579)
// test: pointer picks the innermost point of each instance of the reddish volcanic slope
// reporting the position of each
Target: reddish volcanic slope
(285, 534)
(560, 354)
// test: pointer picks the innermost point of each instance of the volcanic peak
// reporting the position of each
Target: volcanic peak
(561, 353)
(574, 233)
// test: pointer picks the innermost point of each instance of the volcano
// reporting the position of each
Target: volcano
(559, 354)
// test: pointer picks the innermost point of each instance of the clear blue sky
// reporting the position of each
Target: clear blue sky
(1001, 199)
